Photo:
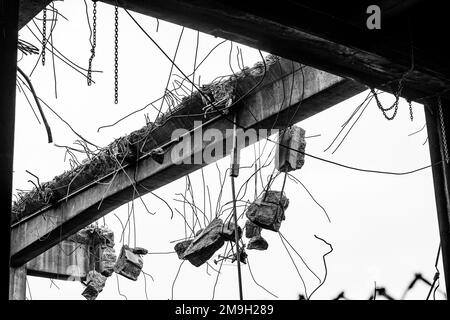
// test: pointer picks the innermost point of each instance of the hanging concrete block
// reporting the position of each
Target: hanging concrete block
(205, 244)
(228, 231)
(288, 159)
(103, 236)
(268, 210)
(257, 243)
(251, 229)
(129, 264)
(95, 284)
(107, 260)
(181, 247)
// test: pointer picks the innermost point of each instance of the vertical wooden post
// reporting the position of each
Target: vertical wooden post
(9, 15)
(441, 180)
(17, 283)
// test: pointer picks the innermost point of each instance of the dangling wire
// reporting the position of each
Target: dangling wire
(44, 34)
(94, 42)
(116, 55)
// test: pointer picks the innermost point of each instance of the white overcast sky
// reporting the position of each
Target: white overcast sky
(384, 228)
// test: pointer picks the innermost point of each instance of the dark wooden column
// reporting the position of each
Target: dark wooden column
(8, 65)
(438, 145)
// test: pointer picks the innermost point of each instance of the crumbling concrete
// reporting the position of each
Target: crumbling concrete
(292, 158)
(129, 264)
(205, 244)
(228, 231)
(181, 247)
(251, 229)
(268, 211)
(257, 243)
(95, 284)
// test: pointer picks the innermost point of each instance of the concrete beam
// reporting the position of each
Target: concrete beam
(67, 260)
(17, 283)
(267, 106)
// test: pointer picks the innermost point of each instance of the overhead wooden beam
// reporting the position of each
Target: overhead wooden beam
(266, 106)
(323, 36)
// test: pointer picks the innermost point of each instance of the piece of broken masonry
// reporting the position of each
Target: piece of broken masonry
(129, 264)
(257, 243)
(228, 231)
(107, 260)
(268, 211)
(139, 250)
(181, 247)
(205, 244)
(293, 157)
(251, 229)
(95, 284)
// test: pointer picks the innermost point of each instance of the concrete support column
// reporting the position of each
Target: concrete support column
(17, 283)
(438, 145)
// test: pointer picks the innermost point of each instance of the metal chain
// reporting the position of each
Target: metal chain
(116, 55)
(94, 43)
(444, 138)
(411, 116)
(394, 105)
(44, 34)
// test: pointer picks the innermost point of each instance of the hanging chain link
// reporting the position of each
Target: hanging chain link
(94, 42)
(444, 138)
(394, 105)
(116, 55)
(44, 34)
(411, 116)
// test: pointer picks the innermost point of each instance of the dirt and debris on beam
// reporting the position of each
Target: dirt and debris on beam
(147, 140)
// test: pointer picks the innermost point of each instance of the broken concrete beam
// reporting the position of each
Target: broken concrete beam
(292, 158)
(95, 284)
(268, 210)
(107, 260)
(181, 247)
(129, 264)
(257, 243)
(205, 244)
(251, 229)
(228, 231)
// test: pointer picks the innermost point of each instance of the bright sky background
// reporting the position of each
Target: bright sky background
(384, 228)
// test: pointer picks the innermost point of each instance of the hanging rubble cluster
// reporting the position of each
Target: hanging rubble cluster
(102, 257)
(267, 212)
(130, 263)
(207, 242)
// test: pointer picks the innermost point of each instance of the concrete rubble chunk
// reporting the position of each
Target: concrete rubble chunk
(95, 284)
(103, 236)
(129, 264)
(251, 229)
(139, 250)
(181, 247)
(257, 243)
(198, 232)
(107, 260)
(205, 244)
(228, 231)
(287, 159)
(268, 211)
